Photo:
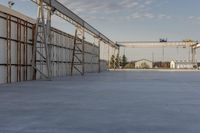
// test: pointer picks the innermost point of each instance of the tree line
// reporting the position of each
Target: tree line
(118, 62)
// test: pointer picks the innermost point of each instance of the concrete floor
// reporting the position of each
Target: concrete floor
(111, 102)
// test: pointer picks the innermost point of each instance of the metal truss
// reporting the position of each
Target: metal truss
(67, 15)
(41, 56)
(78, 57)
(153, 44)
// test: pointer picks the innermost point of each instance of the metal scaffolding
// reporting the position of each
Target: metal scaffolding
(78, 57)
(42, 32)
(41, 55)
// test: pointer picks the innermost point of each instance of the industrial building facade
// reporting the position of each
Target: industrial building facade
(16, 49)
(182, 65)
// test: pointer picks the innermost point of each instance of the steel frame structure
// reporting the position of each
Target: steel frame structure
(16, 62)
(78, 55)
(43, 32)
(41, 42)
(66, 14)
(153, 44)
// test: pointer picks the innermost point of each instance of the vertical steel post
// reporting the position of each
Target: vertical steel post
(114, 65)
(17, 50)
(33, 61)
(42, 35)
(24, 52)
(73, 53)
(20, 51)
(193, 54)
(83, 52)
(108, 57)
(26, 44)
(118, 58)
(99, 53)
(48, 33)
(78, 50)
(8, 30)
(7, 48)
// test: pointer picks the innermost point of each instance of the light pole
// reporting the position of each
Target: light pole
(10, 3)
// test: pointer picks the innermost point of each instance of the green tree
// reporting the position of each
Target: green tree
(112, 62)
(117, 62)
(124, 61)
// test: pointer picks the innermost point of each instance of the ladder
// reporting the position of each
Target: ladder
(78, 59)
(41, 56)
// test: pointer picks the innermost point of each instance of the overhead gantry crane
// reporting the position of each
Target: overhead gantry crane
(158, 44)
(47, 8)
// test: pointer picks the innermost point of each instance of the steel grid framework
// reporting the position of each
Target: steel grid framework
(42, 34)
(21, 64)
(66, 14)
(154, 44)
(78, 60)
(55, 7)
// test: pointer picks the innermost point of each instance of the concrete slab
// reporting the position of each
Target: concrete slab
(111, 102)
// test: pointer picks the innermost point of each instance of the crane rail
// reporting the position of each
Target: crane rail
(66, 14)
(155, 44)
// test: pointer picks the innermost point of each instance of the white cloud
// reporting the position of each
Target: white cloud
(191, 17)
(149, 15)
(131, 9)
(197, 18)
(163, 16)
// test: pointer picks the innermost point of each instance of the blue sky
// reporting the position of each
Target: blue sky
(134, 20)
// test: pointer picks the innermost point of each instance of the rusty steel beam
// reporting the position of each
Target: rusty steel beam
(18, 43)
(8, 34)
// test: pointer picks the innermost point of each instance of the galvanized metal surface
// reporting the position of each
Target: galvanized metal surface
(16, 48)
(42, 34)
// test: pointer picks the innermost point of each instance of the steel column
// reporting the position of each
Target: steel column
(78, 55)
(193, 54)
(99, 51)
(42, 49)
(8, 30)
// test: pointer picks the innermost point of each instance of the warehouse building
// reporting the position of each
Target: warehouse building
(16, 50)
(182, 65)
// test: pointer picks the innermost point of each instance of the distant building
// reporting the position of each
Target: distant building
(143, 64)
(161, 65)
(182, 65)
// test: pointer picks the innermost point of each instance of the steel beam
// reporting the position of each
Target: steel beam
(75, 19)
(154, 44)
(99, 59)
(78, 59)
